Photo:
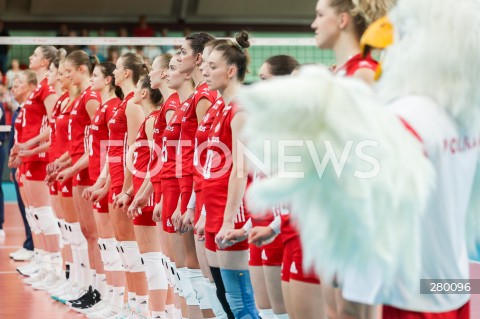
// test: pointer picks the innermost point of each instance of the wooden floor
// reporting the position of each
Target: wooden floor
(19, 301)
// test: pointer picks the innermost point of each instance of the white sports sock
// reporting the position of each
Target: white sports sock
(170, 311)
(158, 315)
(142, 304)
(108, 293)
(117, 297)
(132, 303)
(101, 284)
(283, 316)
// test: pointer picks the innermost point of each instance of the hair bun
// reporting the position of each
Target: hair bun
(242, 39)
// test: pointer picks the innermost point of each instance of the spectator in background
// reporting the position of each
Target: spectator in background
(93, 50)
(12, 73)
(63, 30)
(3, 48)
(102, 49)
(166, 48)
(71, 48)
(143, 29)
(113, 54)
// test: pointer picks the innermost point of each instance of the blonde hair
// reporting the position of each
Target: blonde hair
(363, 12)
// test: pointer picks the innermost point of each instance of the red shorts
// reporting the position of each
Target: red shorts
(53, 189)
(82, 178)
(114, 191)
(157, 190)
(65, 188)
(102, 205)
(292, 268)
(186, 189)
(35, 171)
(146, 219)
(171, 195)
(268, 255)
(395, 313)
(212, 246)
(198, 206)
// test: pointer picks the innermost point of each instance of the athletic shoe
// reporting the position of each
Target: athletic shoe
(106, 313)
(86, 295)
(60, 285)
(74, 293)
(125, 313)
(29, 270)
(102, 304)
(49, 281)
(26, 255)
(89, 302)
(16, 252)
(39, 276)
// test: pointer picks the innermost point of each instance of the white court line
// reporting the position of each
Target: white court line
(8, 272)
(9, 247)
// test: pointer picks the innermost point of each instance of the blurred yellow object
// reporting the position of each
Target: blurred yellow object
(378, 35)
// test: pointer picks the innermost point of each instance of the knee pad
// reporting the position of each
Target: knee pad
(175, 277)
(32, 222)
(46, 220)
(112, 255)
(187, 288)
(103, 253)
(198, 284)
(239, 293)
(132, 256)
(156, 274)
(78, 239)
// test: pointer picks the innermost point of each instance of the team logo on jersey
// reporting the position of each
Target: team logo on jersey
(217, 128)
(169, 224)
(264, 255)
(293, 268)
(28, 174)
(65, 189)
(98, 205)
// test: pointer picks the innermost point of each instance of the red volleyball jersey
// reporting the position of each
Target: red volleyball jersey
(190, 126)
(355, 63)
(62, 127)
(53, 135)
(118, 143)
(79, 124)
(35, 119)
(141, 156)
(18, 125)
(218, 161)
(171, 150)
(171, 104)
(98, 137)
(201, 141)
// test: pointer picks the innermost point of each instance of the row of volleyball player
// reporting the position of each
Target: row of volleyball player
(145, 200)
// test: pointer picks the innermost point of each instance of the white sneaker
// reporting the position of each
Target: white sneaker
(50, 280)
(16, 252)
(26, 255)
(108, 312)
(39, 276)
(125, 313)
(102, 304)
(60, 284)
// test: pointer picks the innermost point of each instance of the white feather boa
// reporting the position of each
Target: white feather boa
(345, 221)
(473, 219)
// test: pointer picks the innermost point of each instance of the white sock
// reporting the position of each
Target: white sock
(56, 263)
(117, 297)
(170, 311)
(282, 316)
(107, 296)
(101, 284)
(132, 303)
(266, 314)
(90, 275)
(158, 315)
(142, 304)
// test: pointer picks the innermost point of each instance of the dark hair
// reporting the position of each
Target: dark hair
(155, 95)
(282, 64)
(79, 58)
(235, 52)
(61, 54)
(107, 69)
(49, 53)
(134, 62)
(198, 40)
